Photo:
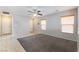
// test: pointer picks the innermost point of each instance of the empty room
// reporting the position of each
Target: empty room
(39, 28)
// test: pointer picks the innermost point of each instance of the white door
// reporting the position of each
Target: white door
(6, 24)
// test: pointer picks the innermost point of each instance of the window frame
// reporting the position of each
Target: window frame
(68, 24)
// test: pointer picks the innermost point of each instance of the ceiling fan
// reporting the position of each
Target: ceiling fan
(35, 12)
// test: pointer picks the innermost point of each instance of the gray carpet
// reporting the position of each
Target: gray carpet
(46, 43)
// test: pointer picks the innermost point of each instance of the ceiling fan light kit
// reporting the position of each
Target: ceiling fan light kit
(34, 15)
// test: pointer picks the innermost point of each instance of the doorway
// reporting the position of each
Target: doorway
(35, 25)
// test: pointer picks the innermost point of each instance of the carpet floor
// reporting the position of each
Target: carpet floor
(46, 43)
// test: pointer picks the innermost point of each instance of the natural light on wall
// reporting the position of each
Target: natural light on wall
(43, 24)
(67, 23)
(5, 24)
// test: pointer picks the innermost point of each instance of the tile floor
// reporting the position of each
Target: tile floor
(8, 44)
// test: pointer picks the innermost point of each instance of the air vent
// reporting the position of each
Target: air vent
(5, 12)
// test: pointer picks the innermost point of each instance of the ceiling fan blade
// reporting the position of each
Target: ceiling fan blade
(40, 14)
(29, 14)
(38, 11)
(30, 11)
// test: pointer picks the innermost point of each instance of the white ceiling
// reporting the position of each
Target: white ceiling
(46, 10)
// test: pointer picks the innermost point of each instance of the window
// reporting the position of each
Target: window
(67, 24)
(43, 24)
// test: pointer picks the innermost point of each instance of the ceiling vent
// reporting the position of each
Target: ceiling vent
(5, 12)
